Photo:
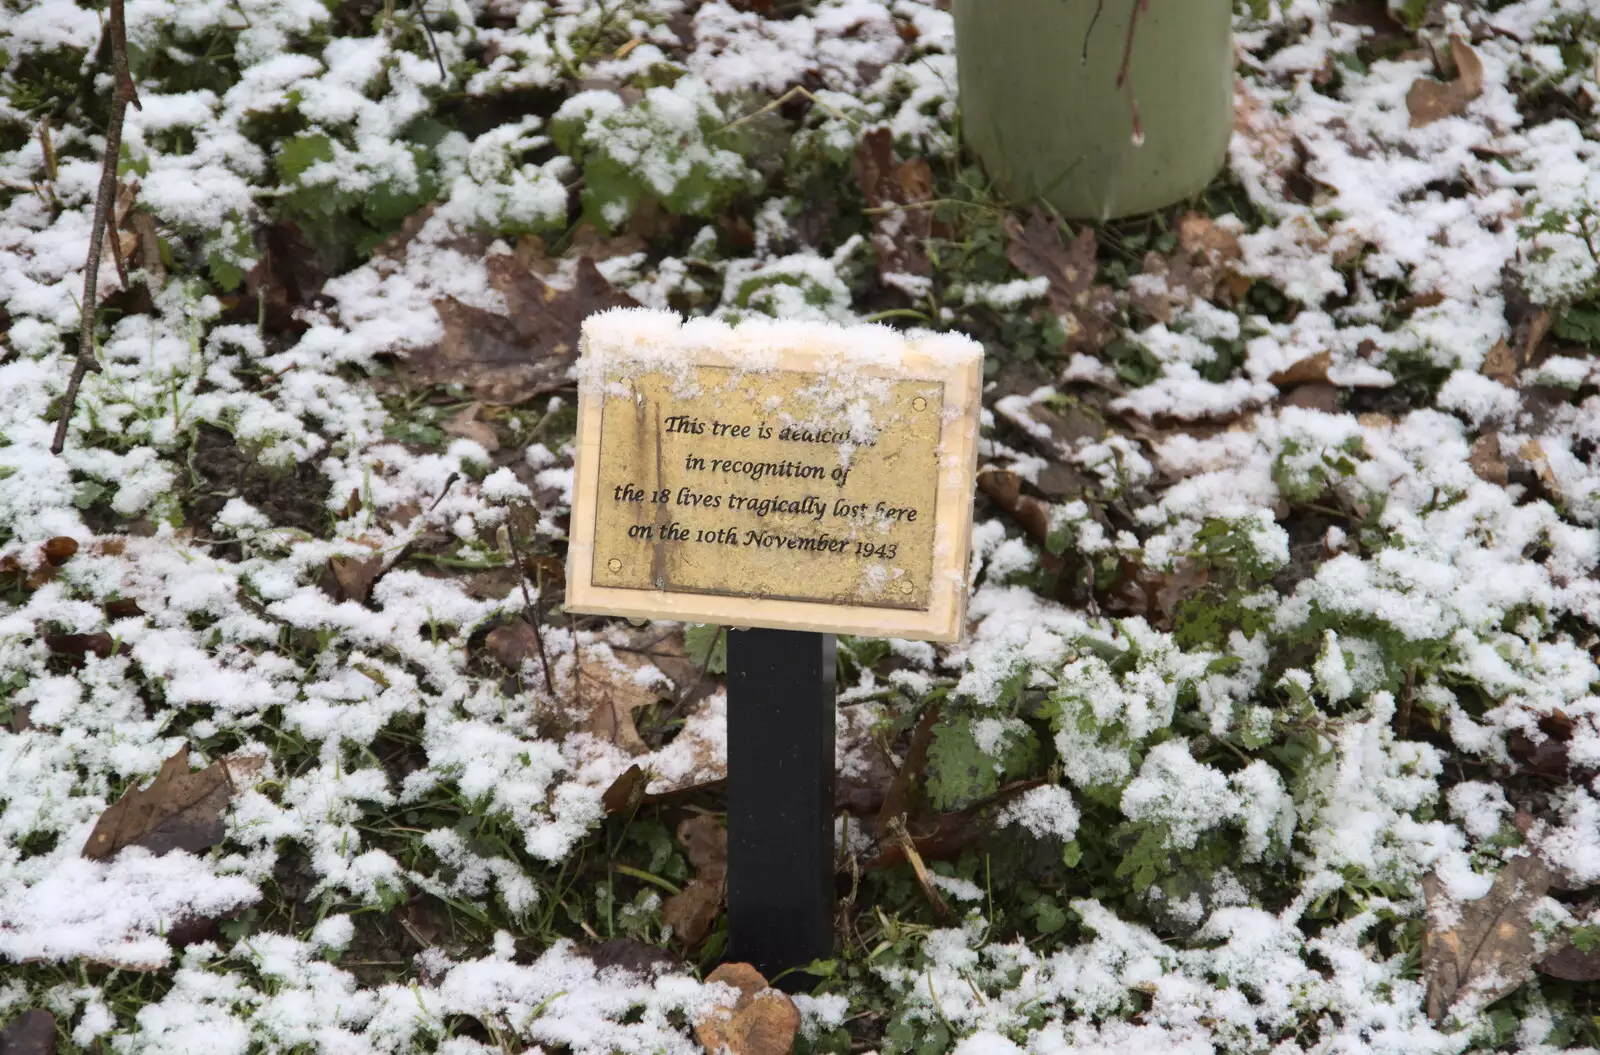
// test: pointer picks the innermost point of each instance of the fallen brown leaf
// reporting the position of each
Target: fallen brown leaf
(1005, 489)
(1572, 964)
(693, 910)
(1532, 452)
(182, 809)
(606, 691)
(764, 1021)
(1143, 591)
(900, 232)
(354, 577)
(79, 646)
(1489, 949)
(626, 792)
(60, 549)
(51, 556)
(1086, 310)
(1500, 364)
(1200, 268)
(1267, 136)
(31, 1033)
(649, 961)
(513, 643)
(469, 426)
(1431, 100)
(1321, 397)
(1486, 461)
(1310, 370)
(286, 278)
(510, 359)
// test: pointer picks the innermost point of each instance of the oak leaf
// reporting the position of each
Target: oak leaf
(508, 359)
(901, 228)
(763, 1020)
(1086, 309)
(182, 809)
(1481, 950)
(693, 910)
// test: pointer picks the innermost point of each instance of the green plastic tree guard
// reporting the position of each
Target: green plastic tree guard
(1041, 106)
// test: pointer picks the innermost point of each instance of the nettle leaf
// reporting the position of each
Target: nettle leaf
(966, 764)
(1580, 324)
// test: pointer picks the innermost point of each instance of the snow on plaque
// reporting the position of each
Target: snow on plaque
(789, 475)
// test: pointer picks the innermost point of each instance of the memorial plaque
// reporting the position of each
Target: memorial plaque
(786, 475)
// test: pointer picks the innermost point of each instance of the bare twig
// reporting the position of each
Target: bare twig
(105, 201)
(1094, 20)
(1123, 81)
(897, 832)
(449, 482)
(422, 16)
(529, 612)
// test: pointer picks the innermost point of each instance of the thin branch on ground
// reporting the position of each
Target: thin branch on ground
(105, 201)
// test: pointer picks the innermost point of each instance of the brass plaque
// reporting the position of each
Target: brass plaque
(777, 484)
(782, 474)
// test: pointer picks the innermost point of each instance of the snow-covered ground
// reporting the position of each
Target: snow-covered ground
(1458, 602)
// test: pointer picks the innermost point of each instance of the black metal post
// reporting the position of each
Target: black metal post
(780, 799)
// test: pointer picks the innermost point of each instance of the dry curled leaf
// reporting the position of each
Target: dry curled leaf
(1481, 950)
(626, 793)
(941, 836)
(1200, 268)
(1431, 100)
(354, 577)
(1155, 595)
(693, 910)
(1086, 310)
(182, 809)
(905, 790)
(1532, 452)
(763, 1021)
(898, 188)
(1486, 460)
(511, 358)
(286, 277)
(1005, 490)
